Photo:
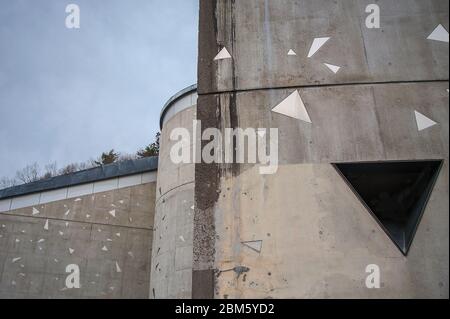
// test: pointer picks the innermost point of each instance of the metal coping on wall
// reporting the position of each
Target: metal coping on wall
(104, 172)
(189, 90)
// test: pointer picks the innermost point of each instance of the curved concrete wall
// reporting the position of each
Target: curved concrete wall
(174, 213)
(302, 233)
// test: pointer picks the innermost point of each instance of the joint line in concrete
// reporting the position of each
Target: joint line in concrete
(309, 86)
(172, 189)
(77, 221)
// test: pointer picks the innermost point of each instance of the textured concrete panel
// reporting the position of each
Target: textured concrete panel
(172, 253)
(171, 175)
(76, 192)
(349, 123)
(259, 34)
(318, 239)
(113, 253)
(172, 244)
(399, 51)
(381, 125)
(180, 285)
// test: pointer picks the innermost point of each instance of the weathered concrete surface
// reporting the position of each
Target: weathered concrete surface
(350, 123)
(173, 175)
(171, 273)
(316, 236)
(317, 239)
(86, 225)
(259, 34)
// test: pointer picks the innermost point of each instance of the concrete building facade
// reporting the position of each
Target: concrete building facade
(171, 273)
(100, 220)
(302, 232)
(361, 185)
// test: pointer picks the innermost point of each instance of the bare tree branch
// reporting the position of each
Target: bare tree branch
(28, 174)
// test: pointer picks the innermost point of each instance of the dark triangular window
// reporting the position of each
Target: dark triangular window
(395, 193)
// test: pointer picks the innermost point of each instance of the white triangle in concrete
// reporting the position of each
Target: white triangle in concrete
(71, 251)
(333, 68)
(292, 52)
(222, 55)
(117, 267)
(35, 211)
(46, 225)
(104, 248)
(113, 213)
(439, 34)
(293, 106)
(256, 245)
(16, 259)
(317, 44)
(423, 122)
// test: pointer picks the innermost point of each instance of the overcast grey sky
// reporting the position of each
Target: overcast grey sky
(66, 95)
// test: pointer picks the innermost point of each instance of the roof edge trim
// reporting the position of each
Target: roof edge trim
(179, 95)
(124, 168)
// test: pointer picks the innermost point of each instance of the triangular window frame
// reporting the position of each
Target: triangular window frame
(428, 191)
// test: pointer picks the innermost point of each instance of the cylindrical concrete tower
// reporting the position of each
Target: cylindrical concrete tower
(171, 274)
(358, 207)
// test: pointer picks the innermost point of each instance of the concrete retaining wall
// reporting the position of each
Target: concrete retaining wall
(107, 234)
